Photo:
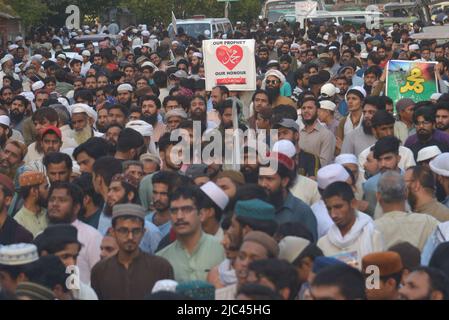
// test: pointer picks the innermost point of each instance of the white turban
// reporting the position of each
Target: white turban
(144, 128)
(274, 73)
(84, 108)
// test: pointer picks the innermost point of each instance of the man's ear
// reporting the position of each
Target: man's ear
(205, 214)
(285, 293)
(354, 204)
(285, 181)
(436, 295)
(130, 196)
(8, 200)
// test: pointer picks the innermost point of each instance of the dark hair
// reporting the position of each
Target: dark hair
(21, 99)
(168, 99)
(223, 89)
(281, 273)
(257, 291)
(122, 108)
(427, 112)
(424, 176)
(106, 167)
(153, 98)
(312, 251)
(85, 94)
(187, 192)
(374, 101)
(94, 147)
(129, 139)
(284, 112)
(381, 118)
(57, 157)
(410, 255)
(85, 183)
(48, 271)
(165, 141)
(350, 281)
(295, 229)
(73, 190)
(339, 189)
(45, 113)
(222, 106)
(438, 281)
(386, 145)
(165, 177)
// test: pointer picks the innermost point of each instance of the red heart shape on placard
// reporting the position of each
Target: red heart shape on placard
(230, 57)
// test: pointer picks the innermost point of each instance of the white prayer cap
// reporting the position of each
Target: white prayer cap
(86, 53)
(346, 158)
(178, 112)
(333, 48)
(428, 153)
(413, 47)
(149, 64)
(291, 247)
(37, 57)
(4, 120)
(74, 34)
(64, 102)
(327, 105)
(175, 42)
(84, 108)
(164, 285)
(278, 41)
(61, 56)
(440, 165)
(294, 46)
(285, 147)
(18, 254)
(28, 95)
(145, 33)
(329, 90)
(77, 57)
(198, 55)
(135, 30)
(146, 45)
(144, 128)
(359, 89)
(363, 55)
(153, 36)
(216, 194)
(125, 87)
(12, 47)
(330, 174)
(6, 58)
(18, 38)
(37, 85)
(435, 96)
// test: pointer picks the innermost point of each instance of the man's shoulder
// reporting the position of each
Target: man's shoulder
(87, 229)
(168, 251)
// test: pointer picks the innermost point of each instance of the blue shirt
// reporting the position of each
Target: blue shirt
(163, 228)
(295, 210)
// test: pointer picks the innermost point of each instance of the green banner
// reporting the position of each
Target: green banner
(411, 79)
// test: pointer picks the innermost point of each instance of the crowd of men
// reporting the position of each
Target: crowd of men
(96, 204)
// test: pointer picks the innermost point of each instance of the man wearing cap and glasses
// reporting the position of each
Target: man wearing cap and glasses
(131, 273)
(272, 83)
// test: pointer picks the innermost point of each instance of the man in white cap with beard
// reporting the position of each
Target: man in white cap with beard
(86, 63)
(7, 68)
(146, 130)
(83, 120)
(272, 83)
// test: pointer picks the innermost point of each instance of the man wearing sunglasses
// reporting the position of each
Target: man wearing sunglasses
(273, 82)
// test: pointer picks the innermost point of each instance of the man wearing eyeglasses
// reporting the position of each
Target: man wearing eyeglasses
(131, 273)
(426, 134)
(273, 81)
(194, 253)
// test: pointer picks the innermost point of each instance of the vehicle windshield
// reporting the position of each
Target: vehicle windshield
(193, 29)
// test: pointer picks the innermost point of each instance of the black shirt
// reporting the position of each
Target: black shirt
(308, 164)
(12, 232)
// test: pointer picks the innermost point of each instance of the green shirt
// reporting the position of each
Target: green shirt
(34, 223)
(207, 254)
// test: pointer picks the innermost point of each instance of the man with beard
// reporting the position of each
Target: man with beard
(162, 186)
(425, 283)
(34, 191)
(112, 133)
(272, 83)
(124, 189)
(277, 184)
(17, 112)
(442, 117)
(11, 157)
(83, 120)
(124, 94)
(7, 68)
(65, 201)
(194, 252)
(314, 137)
(104, 168)
(371, 75)
(131, 273)
(386, 152)
(166, 146)
(6, 95)
(421, 187)
(262, 59)
(260, 101)
(218, 95)
(250, 166)
(362, 137)
(58, 167)
(225, 115)
(130, 145)
(426, 135)
(118, 114)
(151, 106)
(5, 131)
(198, 112)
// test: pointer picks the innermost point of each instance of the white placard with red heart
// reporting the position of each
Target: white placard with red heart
(230, 63)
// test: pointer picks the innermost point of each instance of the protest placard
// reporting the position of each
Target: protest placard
(411, 79)
(230, 63)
